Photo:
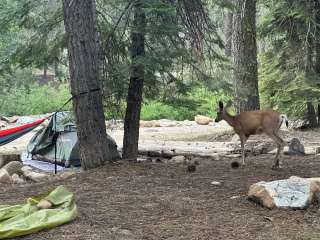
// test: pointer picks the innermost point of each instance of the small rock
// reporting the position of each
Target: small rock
(317, 150)
(202, 120)
(235, 197)
(44, 204)
(4, 176)
(17, 179)
(178, 159)
(296, 148)
(67, 174)
(215, 183)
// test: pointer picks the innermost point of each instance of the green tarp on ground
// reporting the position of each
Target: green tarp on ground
(24, 219)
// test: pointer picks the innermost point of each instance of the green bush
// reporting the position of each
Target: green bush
(36, 99)
(156, 110)
(199, 101)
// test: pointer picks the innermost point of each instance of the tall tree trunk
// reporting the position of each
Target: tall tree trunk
(311, 115)
(56, 69)
(244, 51)
(318, 115)
(317, 37)
(317, 48)
(134, 98)
(81, 23)
(45, 72)
(228, 19)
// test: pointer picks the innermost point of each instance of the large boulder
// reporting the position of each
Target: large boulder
(202, 120)
(295, 192)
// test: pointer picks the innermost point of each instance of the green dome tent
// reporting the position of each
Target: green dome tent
(61, 138)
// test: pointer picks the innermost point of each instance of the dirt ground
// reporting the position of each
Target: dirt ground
(153, 201)
(164, 201)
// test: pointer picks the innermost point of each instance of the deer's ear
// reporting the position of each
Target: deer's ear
(220, 105)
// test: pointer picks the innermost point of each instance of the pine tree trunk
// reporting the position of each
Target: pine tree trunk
(244, 51)
(134, 98)
(317, 37)
(228, 19)
(311, 115)
(318, 115)
(80, 23)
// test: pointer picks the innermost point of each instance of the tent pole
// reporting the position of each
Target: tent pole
(55, 145)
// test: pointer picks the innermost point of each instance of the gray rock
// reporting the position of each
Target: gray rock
(296, 147)
(295, 192)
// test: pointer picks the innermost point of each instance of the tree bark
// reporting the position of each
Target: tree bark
(228, 19)
(311, 115)
(244, 51)
(318, 110)
(134, 98)
(317, 37)
(81, 29)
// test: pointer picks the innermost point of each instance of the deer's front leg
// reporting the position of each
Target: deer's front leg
(243, 140)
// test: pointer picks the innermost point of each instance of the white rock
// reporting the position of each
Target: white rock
(44, 204)
(17, 179)
(294, 192)
(215, 183)
(178, 159)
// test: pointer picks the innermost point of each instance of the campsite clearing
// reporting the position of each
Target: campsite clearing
(164, 201)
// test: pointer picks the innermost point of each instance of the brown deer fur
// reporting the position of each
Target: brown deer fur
(249, 123)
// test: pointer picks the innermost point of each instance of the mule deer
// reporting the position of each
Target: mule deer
(249, 123)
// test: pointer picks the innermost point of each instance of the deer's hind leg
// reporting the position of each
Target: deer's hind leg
(243, 140)
(280, 145)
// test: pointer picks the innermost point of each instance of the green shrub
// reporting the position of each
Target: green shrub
(35, 99)
(198, 101)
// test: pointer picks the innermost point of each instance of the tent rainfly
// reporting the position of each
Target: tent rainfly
(59, 140)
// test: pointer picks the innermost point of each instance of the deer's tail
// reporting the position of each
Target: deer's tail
(283, 118)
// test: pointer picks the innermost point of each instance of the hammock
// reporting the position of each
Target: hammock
(10, 134)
